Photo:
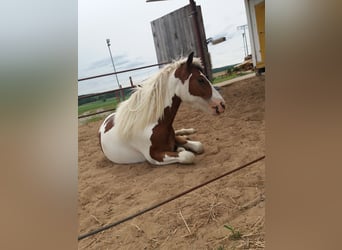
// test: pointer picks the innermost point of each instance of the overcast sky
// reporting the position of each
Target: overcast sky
(128, 25)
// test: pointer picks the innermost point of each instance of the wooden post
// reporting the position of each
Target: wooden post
(130, 80)
(198, 38)
(122, 93)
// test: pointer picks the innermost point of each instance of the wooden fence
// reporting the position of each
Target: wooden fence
(179, 33)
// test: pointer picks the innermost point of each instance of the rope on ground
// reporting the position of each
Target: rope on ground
(167, 200)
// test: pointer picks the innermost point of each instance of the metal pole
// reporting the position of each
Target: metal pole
(244, 31)
(111, 57)
(244, 38)
(198, 37)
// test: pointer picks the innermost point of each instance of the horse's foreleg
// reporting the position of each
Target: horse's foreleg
(194, 146)
(168, 157)
(185, 131)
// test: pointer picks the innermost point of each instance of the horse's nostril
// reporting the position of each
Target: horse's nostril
(217, 110)
(223, 106)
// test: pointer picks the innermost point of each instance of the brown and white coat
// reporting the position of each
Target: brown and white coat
(141, 129)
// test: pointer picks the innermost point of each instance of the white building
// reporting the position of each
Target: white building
(255, 11)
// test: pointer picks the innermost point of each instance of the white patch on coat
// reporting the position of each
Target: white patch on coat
(194, 146)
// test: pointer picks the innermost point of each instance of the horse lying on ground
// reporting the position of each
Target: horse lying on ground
(141, 129)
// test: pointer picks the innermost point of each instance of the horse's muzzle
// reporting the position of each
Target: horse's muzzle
(219, 108)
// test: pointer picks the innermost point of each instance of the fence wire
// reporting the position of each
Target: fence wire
(83, 236)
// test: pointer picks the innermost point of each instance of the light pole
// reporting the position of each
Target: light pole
(244, 39)
(215, 41)
(111, 57)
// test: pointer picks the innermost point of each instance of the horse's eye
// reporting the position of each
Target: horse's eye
(201, 81)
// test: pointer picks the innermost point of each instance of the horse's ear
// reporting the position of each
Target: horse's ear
(190, 58)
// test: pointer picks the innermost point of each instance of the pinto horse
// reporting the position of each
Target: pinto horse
(141, 129)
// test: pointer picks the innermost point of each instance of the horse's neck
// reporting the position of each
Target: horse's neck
(171, 111)
(173, 103)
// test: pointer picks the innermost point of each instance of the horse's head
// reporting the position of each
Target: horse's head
(195, 88)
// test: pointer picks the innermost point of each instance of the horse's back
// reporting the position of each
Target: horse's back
(114, 147)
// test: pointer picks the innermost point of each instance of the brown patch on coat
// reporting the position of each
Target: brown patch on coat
(182, 72)
(180, 140)
(163, 141)
(109, 123)
(99, 134)
(198, 84)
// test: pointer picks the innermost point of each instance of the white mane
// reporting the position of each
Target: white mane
(146, 105)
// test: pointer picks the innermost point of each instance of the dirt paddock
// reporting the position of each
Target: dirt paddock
(109, 192)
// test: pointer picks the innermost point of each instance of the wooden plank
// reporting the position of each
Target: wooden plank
(174, 35)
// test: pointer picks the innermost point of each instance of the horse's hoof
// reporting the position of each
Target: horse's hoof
(180, 149)
(186, 157)
(194, 146)
(197, 147)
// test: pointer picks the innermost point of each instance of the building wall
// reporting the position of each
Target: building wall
(253, 30)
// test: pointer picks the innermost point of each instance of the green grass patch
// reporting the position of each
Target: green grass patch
(234, 234)
(100, 104)
(95, 118)
(227, 77)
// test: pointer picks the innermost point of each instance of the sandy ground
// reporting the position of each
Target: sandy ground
(109, 192)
